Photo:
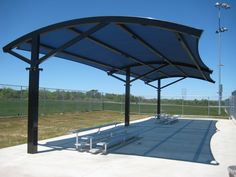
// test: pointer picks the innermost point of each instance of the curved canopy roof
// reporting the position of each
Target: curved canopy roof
(149, 48)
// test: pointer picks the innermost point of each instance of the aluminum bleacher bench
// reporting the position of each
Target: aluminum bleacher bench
(172, 119)
(167, 119)
(115, 140)
(86, 140)
(90, 140)
(162, 118)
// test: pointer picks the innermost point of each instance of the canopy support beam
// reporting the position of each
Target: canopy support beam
(173, 82)
(189, 52)
(73, 41)
(158, 98)
(179, 64)
(112, 75)
(150, 72)
(127, 97)
(19, 56)
(147, 83)
(151, 85)
(33, 96)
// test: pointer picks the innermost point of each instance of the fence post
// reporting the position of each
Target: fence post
(103, 104)
(44, 101)
(121, 103)
(90, 103)
(184, 93)
(77, 95)
(139, 102)
(234, 110)
(208, 106)
(21, 102)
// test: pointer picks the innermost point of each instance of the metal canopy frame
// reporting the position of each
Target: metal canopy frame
(159, 88)
(152, 64)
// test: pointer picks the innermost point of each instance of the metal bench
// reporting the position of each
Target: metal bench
(115, 140)
(172, 119)
(90, 140)
(162, 118)
(86, 140)
(167, 119)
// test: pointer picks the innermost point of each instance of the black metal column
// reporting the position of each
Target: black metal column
(158, 98)
(33, 97)
(127, 97)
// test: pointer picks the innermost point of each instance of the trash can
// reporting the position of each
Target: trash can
(232, 171)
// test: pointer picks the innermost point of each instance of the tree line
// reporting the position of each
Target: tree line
(46, 94)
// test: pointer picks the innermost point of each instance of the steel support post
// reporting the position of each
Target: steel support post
(158, 98)
(33, 97)
(127, 97)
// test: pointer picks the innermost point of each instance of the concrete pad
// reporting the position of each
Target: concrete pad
(161, 150)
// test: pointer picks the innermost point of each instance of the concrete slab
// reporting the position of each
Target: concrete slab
(161, 150)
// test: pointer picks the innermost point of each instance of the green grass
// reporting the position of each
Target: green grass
(13, 131)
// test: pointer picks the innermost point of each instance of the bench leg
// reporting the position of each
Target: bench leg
(105, 148)
(77, 141)
(91, 143)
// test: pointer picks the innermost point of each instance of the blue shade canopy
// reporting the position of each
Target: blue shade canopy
(149, 48)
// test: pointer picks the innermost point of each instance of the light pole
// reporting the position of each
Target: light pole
(220, 29)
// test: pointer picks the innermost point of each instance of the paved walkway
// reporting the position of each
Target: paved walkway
(184, 149)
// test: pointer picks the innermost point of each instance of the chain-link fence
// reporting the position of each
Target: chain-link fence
(230, 105)
(62, 110)
(14, 100)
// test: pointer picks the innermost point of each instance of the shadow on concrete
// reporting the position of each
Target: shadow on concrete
(57, 145)
(185, 140)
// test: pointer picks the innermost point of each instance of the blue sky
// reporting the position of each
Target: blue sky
(21, 17)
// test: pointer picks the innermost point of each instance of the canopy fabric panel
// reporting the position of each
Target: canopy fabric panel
(150, 48)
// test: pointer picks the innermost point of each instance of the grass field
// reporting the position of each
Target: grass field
(13, 131)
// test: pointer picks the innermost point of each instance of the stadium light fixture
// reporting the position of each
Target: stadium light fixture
(220, 30)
